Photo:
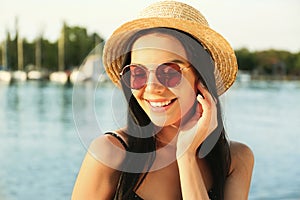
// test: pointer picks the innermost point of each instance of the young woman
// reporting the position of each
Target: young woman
(171, 67)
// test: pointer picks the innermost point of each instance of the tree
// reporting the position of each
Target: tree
(246, 59)
(295, 69)
(78, 44)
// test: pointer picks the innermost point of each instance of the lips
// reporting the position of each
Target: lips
(160, 105)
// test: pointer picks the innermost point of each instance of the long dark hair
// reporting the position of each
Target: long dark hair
(142, 140)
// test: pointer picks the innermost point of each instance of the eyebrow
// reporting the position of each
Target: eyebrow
(178, 61)
(175, 61)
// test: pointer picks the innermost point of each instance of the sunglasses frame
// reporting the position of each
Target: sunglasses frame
(148, 71)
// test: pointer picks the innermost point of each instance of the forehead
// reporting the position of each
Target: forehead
(156, 46)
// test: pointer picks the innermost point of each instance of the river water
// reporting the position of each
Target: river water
(42, 145)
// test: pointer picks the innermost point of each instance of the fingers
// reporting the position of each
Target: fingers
(209, 108)
(205, 95)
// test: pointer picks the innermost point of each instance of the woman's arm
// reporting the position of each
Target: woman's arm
(190, 136)
(191, 180)
(98, 176)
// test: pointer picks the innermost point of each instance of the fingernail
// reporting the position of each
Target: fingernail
(199, 97)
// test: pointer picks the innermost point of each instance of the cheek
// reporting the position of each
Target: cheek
(186, 100)
(187, 96)
(138, 96)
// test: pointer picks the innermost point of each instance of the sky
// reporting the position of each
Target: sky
(253, 24)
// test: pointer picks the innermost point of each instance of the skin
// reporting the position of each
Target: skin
(169, 50)
(188, 177)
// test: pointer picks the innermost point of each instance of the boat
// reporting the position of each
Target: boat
(91, 70)
(243, 76)
(5, 76)
(19, 76)
(59, 77)
(36, 75)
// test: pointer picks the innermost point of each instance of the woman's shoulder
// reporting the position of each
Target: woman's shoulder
(99, 173)
(238, 181)
(242, 157)
(110, 149)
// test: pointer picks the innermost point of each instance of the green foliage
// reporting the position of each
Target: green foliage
(246, 59)
(12, 61)
(50, 55)
(295, 70)
(29, 53)
(78, 44)
(269, 62)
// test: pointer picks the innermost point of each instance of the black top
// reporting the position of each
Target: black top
(133, 195)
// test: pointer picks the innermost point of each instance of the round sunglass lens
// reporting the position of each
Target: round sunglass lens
(169, 74)
(126, 76)
(138, 77)
(134, 76)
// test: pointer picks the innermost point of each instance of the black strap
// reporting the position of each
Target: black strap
(119, 138)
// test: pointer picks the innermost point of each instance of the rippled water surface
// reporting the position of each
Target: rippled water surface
(41, 150)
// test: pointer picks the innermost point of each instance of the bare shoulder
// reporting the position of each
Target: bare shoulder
(108, 150)
(99, 172)
(241, 156)
(237, 185)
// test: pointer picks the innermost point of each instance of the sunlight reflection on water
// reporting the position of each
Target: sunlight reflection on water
(41, 152)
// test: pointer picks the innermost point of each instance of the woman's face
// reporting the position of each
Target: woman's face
(164, 106)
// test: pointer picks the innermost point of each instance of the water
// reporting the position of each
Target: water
(41, 152)
(266, 116)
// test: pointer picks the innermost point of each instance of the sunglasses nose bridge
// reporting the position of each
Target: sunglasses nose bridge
(152, 80)
(151, 76)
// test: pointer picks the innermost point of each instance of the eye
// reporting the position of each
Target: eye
(137, 71)
(169, 69)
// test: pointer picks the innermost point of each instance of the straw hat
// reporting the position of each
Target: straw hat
(177, 15)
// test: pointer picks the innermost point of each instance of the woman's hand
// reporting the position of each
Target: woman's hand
(193, 132)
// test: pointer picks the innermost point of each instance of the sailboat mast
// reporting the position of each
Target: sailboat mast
(19, 46)
(4, 53)
(20, 53)
(61, 50)
(38, 53)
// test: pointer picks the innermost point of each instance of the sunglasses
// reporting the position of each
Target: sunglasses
(135, 76)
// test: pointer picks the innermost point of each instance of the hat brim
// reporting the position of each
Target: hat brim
(222, 53)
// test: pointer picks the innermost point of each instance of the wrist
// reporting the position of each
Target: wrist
(187, 152)
(187, 156)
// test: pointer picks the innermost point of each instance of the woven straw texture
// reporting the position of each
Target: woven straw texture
(172, 14)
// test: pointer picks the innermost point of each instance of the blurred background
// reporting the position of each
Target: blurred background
(50, 57)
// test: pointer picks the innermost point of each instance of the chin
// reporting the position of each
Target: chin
(162, 121)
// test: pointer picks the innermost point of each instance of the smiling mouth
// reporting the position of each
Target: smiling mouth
(161, 104)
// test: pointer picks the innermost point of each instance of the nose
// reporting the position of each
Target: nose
(153, 85)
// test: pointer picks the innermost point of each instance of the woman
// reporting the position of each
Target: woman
(171, 67)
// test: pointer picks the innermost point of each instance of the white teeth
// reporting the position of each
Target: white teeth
(159, 104)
